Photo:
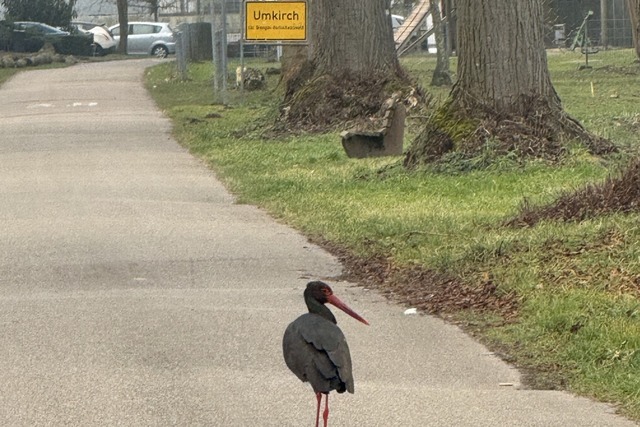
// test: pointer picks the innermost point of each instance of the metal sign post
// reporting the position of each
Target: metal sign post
(219, 51)
(223, 47)
(241, 41)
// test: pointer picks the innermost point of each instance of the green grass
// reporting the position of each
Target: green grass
(7, 73)
(578, 283)
(610, 110)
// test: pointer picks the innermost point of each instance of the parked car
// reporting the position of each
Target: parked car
(102, 39)
(30, 36)
(40, 29)
(148, 38)
(396, 21)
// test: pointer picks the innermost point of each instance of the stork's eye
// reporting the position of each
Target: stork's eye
(326, 291)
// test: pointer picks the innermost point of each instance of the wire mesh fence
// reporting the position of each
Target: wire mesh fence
(571, 14)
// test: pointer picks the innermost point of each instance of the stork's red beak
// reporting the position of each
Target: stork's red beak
(334, 300)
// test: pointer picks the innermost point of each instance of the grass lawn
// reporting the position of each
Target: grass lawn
(577, 284)
(6, 73)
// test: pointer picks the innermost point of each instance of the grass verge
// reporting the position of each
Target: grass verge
(576, 323)
(6, 73)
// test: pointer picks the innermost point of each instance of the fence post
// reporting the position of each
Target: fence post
(181, 55)
(218, 46)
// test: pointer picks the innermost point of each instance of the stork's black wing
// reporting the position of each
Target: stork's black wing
(317, 351)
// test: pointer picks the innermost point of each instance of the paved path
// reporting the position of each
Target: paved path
(134, 292)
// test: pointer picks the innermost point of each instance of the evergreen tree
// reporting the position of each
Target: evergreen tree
(57, 13)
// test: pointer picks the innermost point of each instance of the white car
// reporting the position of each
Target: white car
(103, 41)
(148, 38)
(396, 21)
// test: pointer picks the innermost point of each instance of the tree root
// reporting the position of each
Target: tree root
(541, 132)
(326, 102)
(616, 194)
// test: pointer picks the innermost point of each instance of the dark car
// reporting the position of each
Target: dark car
(40, 29)
(31, 36)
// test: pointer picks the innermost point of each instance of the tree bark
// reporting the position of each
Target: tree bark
(502, 66)
(351, 58)
(503, 95)
(354, 36)
(634, 12)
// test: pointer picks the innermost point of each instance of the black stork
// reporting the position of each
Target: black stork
(316, 350)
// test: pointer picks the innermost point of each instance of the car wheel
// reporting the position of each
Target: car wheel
(98, 50)
(160, 52)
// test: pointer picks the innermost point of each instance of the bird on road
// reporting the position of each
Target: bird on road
(316, 350)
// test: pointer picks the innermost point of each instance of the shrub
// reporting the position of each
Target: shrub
(6, 29)
(75, 44)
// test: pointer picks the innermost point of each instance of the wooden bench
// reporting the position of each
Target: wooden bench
(388, 141)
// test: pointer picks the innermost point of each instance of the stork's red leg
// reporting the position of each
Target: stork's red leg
(325, 414)
(319, 397)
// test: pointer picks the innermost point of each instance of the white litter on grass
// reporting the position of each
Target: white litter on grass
(410, 311)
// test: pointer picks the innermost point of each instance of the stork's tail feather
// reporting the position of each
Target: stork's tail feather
(341, 387)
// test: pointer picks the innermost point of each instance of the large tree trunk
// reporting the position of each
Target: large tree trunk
(502, 66)
(351, 59)
(634, 12)
(123, 17)
(503, 94)
(354, 36)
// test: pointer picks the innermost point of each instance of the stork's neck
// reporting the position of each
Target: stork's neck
(316, 307)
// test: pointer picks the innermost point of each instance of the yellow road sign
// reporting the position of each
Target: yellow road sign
(276, 20)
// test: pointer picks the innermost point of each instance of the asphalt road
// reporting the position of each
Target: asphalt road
(135, 292)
